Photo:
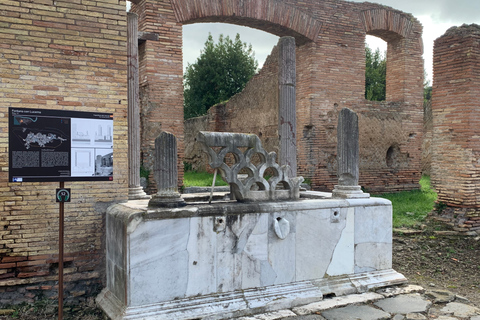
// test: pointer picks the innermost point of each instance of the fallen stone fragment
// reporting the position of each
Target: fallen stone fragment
(415, 316)
(395, 291)
(461, 299)
(440, 296)
(460, 310)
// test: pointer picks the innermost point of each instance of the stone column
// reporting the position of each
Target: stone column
(135, 191)
(287, 120)
(348, 157)
(166, 173)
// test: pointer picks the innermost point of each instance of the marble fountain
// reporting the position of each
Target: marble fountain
(266, 250)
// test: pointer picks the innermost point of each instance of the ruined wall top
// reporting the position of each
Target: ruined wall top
(463, 30)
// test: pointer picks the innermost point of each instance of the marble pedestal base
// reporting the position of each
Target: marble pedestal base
(232, 259)
(349, 192)
(251, 301)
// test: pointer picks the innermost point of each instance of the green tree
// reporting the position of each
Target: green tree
(375, 75)
(222, 70)
(427, 88)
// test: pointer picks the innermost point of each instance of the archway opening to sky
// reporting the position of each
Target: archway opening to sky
(195, 35)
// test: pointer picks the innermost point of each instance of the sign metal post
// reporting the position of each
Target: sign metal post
(62, 196)
(60, 145)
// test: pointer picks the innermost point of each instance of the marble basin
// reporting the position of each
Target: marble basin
(232, 259)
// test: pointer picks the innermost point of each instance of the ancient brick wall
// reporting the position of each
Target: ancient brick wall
(64, 55)
(331, 76)
(161, 75)
(254, 110)
(456, 122)
(71, 55)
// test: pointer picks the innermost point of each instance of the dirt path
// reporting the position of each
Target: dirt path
(442, 262)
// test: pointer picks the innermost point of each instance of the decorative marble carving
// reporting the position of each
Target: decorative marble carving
(281, 227)
(255, 186)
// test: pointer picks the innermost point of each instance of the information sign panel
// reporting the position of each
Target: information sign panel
(59, 145)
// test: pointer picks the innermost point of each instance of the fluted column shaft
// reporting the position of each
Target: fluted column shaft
(287, 120)
(135, 191)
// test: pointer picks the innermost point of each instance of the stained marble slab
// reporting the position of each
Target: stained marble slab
(155, 257)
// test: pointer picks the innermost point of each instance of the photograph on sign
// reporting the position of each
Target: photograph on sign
(59, 145)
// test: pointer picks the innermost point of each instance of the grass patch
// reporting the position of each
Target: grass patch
(201, 179)
(410, 208)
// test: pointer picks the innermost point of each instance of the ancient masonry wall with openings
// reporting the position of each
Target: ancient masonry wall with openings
(67, 55)
(72, 55)
(456, 126)
(330, 76)
(254, 110)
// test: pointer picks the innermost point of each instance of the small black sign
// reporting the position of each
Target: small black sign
(63, 195)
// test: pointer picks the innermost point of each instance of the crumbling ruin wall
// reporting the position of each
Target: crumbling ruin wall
(330, 76)
(456, 125)
(254, 110)
(67, 56)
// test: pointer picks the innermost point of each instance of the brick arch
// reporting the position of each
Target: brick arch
(388, 25)
(402, 32)
(268, 15)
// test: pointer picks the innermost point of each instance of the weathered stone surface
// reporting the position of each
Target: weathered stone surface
(244, 265)
(415, 316)
(287, 111)
(337, 302)
(395, 291)
(281, 314)
(347, 148)
(166, 173)
(440, 296)
(348, 157)
(460, 310)
(356, 313)
(404, 304)
(306, 317)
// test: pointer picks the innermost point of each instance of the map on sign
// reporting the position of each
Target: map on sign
(57, 145)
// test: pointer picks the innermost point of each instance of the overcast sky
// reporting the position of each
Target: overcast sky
(436, 16)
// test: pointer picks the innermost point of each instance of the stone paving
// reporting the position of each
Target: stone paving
(408, 302)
